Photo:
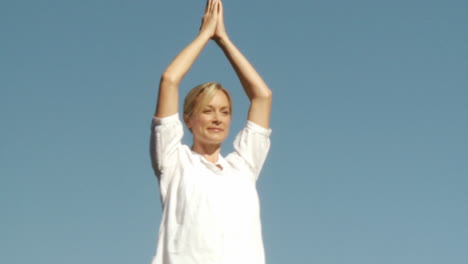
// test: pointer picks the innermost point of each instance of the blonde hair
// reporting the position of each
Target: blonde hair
(199, 97)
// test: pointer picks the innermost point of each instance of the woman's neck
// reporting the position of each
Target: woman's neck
(209, 152)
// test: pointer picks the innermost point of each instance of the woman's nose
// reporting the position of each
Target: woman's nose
(216, 118)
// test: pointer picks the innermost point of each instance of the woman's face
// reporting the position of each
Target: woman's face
(211, 124)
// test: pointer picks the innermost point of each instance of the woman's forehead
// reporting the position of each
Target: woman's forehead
(219, 98)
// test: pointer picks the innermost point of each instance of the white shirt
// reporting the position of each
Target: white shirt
(210, 215)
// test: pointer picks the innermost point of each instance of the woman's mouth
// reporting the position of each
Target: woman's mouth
(215, 129)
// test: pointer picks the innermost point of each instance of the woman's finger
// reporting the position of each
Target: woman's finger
(207, 5)
(214, 5)
(220, 7)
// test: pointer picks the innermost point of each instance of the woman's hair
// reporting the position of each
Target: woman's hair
(201, 95)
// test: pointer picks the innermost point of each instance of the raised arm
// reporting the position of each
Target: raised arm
(168, 96)
(254, 86)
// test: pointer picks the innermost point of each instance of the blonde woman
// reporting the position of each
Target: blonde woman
(211, 212)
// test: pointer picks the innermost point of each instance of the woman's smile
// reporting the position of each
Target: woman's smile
(215, 129)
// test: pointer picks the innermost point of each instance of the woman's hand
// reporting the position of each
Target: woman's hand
(168, 96)
(220, 32)
(254, 86)
(210, 18)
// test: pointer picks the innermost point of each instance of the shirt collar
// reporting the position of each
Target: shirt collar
(213, 166)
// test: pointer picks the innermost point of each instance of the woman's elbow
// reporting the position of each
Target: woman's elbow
(266, 94)
(262, 97)
(269, 94)
(168, 78)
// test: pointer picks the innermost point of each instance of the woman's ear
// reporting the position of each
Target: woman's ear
(187, 121)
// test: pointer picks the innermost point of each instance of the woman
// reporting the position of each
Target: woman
(211, 209)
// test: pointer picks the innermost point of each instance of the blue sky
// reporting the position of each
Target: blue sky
(369, 156)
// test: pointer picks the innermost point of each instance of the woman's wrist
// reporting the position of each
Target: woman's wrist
(222, 41)
(205, 36)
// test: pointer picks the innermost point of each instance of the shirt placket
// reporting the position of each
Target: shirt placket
(219, 177)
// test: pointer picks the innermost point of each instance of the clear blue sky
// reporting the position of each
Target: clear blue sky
(369, 157)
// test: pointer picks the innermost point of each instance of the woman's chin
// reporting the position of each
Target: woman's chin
(213, 140)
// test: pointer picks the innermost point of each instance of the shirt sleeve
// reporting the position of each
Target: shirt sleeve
(166, 138)
(252, 145)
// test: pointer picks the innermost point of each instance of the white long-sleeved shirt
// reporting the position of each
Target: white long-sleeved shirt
(211, 214)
